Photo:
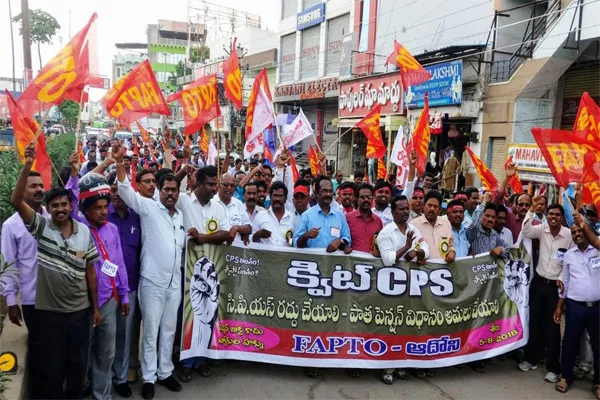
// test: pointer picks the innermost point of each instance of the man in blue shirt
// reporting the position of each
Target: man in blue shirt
(323, 226)
(456, 216)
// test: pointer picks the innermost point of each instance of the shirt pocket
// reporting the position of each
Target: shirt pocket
(76, 264)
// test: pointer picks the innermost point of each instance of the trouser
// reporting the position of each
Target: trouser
(159, 318)
(128, 338)
(31, 318)
(102, 350)
(543, 331)
(577, 317)
(586, 356)
(63, 353)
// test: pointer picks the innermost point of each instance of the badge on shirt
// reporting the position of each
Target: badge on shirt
(109, 268)
(289, 236)
(212, 225)
(335, 232)
(444, 247)
(236, 220)
(559, 256)
(595, 262)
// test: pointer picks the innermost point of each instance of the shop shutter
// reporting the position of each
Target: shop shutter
(309, 3)
(309, 61)
(497, 157)
(287, 59)
(581, 80)
(336, 28)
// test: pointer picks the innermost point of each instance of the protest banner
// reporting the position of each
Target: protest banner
(277, 305)
(199, 102)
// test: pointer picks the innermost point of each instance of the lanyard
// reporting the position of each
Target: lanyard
(100, 245)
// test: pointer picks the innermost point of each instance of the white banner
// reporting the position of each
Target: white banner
(254, 146)
(399, 156)
(297, 131)
(212, 153)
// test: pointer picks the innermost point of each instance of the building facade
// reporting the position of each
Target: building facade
(128, 56)
(311, 33)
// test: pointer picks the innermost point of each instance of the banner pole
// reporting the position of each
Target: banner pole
(41, 126)
(338, 138)
(78, 127)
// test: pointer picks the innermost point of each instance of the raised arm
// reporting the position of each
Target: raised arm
(17, 199)
(589, 234)
(225, 167)
(509, 172)
(529, 230)
(250, 175)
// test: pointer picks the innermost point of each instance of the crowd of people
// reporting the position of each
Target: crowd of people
(101, 257)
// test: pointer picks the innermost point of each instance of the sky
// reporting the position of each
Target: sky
(118, 21)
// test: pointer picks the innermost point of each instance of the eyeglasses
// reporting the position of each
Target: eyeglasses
(365, 197)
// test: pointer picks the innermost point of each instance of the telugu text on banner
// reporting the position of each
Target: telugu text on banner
(275, 305)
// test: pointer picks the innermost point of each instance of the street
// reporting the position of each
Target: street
(243, 380)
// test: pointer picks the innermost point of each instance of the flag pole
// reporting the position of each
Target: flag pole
(338, 138)
(41, 126)
(78, 127)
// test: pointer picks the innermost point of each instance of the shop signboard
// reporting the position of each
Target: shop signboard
(359, 96)
(444, 87)
(530, 162)
(310, 17)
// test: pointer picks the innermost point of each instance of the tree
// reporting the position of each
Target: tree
(42, 27)
(70, 112)
(199, 54)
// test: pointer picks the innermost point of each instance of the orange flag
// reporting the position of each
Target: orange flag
(370, 127)
(135, 95)
(133, 177)
(267, 155)
(232, 78)
(570, 157)
(204, 142)
(420, 137)
(253, 130)
(25, 129)
(488, 180)
(144, 133)
(80, 151)
(199, 102)
(313, 161)
(294, 167)
(136, 149)
(411, 72)
(515, 181)
(381, 170)
(188, 142)
(68, 69)
(74, 92)
(591, 194)
(587, 123)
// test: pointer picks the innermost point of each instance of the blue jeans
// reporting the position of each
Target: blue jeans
(128, 339)
(159, 318)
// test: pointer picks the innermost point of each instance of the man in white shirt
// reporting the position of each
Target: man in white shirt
(555, 240)
(250, 198)
(239, 221)
(206, 221)
(400, 240)
(275, 226)
(159, 293)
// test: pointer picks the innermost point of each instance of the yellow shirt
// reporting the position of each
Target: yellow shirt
(437, 236)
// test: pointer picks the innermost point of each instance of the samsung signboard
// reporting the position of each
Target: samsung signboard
(311, 16)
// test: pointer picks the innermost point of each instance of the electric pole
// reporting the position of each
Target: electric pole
(26, 42)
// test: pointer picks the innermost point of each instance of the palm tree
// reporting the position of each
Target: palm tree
(42, 27)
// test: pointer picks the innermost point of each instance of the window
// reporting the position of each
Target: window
(336, 28)
(309, 58)
(290, 8)
(363, 44)
(287, 62)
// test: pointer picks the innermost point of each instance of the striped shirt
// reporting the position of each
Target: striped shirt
(483, 241)
(61, 280)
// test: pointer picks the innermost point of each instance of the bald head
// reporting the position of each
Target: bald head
(227, 187)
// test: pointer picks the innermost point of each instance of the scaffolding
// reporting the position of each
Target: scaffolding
(218, 21)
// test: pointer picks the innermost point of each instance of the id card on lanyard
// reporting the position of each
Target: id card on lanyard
(108, 267)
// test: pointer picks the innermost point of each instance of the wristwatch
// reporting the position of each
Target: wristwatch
(344, 244)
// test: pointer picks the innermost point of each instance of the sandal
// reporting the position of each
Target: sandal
(400, 373)
(185, 374)
(579, 373)
(596, 391)
(353, 372)
(311, 372)
(204, 370)
(562, 386)
(387, 378)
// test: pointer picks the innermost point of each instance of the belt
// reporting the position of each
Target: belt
(588, 304)
(547, 281)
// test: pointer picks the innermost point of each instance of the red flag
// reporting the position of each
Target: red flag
(313, 161)
(367, 176)
(570, 157)
(488, 180)
(136, 149)
(267, 155)
(144, 133)
(515, 181)
(232, 78)
(199, 102)
(420, 137)
(76, 90)
(411, 72)
(135, 95)
(370, 127)
(80, 151)
(381, 170)
(591, 194)
(587, 123)
(63, 72)
(25, 129)
(204, 143)
(188, 142)
(294, 167)
(262, 114)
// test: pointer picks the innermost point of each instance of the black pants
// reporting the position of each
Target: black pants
(578, 317)
(63, 354)
(31, 318)
(543, 331)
